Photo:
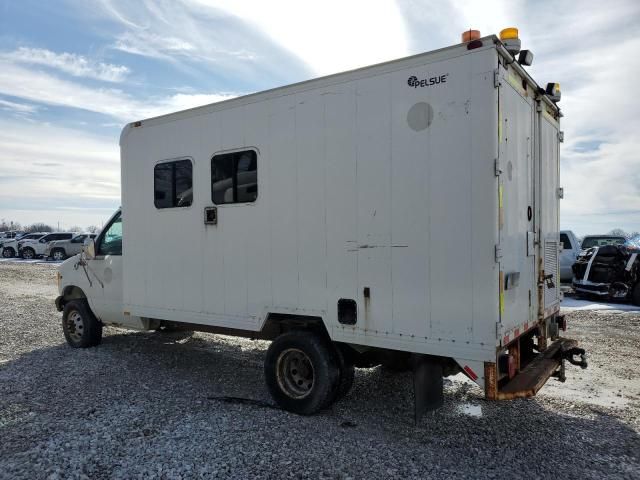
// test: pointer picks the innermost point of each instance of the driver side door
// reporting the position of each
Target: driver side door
(107, 268)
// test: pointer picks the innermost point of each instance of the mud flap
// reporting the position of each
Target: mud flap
(427, 385)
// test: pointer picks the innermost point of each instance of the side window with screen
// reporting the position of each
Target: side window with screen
(173, 184)
(234, 177)
(110, 242)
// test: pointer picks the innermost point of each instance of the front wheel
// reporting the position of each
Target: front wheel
(301, 372)
(80, 326)
(28, 253)
(8, 252)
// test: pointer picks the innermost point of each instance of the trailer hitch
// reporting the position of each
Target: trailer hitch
(568, 354)
(572, 352)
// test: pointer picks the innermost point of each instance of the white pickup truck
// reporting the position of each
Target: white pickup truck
(570, 250)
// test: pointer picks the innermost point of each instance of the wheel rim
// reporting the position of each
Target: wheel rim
(75, 325)
(57, 255)
(6, 253)
(295, 373)
(27, 254)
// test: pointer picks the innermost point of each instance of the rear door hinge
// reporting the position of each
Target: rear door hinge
(561, 136)
(496, 78)
(497, 167)
(498, 253)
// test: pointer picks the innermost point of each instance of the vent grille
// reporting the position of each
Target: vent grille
(551, 268)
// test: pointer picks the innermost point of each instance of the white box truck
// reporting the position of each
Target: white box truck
(402, 211)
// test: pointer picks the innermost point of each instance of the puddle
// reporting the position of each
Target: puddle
(471, 410)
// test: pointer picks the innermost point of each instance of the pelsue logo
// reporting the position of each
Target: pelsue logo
(414, 82)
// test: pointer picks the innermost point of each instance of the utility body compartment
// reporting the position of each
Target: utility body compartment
(410, 206)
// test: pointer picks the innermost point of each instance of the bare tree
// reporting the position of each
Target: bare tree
(618, 232)
(75, 229)
(7, 225)
(92, 229)
(38, 227)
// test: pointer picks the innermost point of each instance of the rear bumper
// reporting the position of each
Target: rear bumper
(585, 286)
(528, 381)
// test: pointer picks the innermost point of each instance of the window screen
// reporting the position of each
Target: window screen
(173, 184)
(234, 177)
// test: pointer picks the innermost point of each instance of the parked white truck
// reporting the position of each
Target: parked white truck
(407, 209)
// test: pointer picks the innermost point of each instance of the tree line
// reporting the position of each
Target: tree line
(8, 225)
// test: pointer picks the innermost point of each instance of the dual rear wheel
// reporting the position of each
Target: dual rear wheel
(305, 372)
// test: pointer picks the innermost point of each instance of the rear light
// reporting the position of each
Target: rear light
(507, 365)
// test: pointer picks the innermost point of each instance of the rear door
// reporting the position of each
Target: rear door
(516, 205)
(549, 178)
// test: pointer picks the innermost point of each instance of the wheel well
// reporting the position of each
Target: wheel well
(72, 292)
(277, 323)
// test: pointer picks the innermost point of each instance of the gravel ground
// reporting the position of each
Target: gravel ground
(146, 405)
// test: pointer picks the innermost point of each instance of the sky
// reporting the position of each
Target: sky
(73, 73)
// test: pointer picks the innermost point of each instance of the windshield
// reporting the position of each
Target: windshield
(589, 242)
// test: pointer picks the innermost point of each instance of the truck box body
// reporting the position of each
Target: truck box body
(424, 189)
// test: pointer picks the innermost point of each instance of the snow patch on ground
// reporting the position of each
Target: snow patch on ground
(570, 304)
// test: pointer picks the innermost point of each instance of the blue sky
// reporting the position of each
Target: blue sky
(72, 73)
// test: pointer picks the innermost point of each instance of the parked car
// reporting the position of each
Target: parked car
(570, 250)
(10, 235)
(61, 249)
(591, 241)
(609, 271)
(35, 248)
(10, 246)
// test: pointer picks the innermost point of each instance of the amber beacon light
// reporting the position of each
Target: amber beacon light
(510, 39)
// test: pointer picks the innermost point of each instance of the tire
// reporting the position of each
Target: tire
(635, 294)
(302, 372)
(58, 254)
(8, 252)
(80, 326)
(28, 253)
(347, 373)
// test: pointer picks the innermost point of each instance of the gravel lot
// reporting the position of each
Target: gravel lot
(148, 405)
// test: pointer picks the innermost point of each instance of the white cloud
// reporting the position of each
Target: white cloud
(44, 88)
(330, 36)
(20, 108)
(70, 63)
(46, 168)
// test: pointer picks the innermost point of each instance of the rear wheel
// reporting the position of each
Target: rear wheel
(58, 254)
(302, 372)
(8, 252)
(28, 253)
(347, 373)
(80, 326)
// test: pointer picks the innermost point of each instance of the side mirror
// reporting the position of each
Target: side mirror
(90, 249)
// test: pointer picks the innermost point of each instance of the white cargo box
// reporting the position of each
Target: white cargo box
(422, 191)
